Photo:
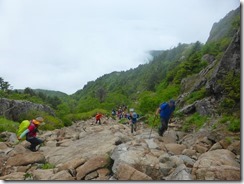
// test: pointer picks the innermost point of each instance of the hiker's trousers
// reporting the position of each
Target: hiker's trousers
(34, 142)
(164, 125)
(133, 126)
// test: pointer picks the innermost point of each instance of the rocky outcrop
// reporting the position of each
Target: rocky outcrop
(92, 164)
(229, 62)
(210, 80)
(26, 159)
(217, 165)
(97, 155)
(126, 172)
(14, 109)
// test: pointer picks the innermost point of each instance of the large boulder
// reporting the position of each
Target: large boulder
(40, 174)
(72, 164)
(126, 172)
(205, 107)
(174, 148)
(62, 175)
(14, 109)
(14, 176)
(92, 164)
(9, 137)
(26, 159)
(180, 173)
(217, 165)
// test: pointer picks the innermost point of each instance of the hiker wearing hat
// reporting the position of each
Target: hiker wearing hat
(165, 110)
(30, 133)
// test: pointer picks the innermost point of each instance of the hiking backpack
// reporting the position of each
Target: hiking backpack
(22, 127)
(134, 115)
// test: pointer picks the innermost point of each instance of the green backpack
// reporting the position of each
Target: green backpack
(22, 127)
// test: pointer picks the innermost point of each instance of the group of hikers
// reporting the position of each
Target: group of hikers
(121, 112)
(29, 129)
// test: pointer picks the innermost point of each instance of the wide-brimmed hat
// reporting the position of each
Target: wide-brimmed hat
(38, 120)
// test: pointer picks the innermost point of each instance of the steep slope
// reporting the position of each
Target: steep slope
(160, 77)
(224, 28)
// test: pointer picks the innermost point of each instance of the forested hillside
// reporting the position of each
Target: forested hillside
(166, 76)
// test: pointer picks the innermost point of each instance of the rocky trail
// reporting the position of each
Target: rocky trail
(110, 152)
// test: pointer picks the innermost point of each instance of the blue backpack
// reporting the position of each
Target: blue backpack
(134, 115)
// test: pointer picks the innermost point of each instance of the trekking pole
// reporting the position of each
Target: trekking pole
(152, 126)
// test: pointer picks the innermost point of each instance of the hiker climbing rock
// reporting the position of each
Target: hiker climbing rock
(165, 110)
(133, 117)
(98, 118)
(29, 129)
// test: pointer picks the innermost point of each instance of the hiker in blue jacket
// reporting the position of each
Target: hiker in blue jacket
(133, 117)
(165, 110)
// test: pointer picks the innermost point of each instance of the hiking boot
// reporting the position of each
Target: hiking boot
(160, 133)
(32, 149)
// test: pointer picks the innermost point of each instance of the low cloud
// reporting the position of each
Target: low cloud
(61, 44)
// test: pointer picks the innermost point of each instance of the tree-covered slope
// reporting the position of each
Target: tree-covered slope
(170, 74)
(226, 27)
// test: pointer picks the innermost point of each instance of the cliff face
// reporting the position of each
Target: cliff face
(229, 62)
(212, 80)
(224, 27)
(14, 109)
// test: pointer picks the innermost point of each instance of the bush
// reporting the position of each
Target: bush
(84, 115)
(8, 125)
(232, 122)
(47, 166)
(151, 120)
(194, 121)
(123, 120)
(196, 95)
(51, 122)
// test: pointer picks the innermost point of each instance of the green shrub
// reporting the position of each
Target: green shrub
(196, 95)
(123, 120)
(234, 126)
(194, 121)
(47, 166)
(178, 114)
(152, 120)
(8, 125)
(84, 115)
(232, 122)
(51, 122)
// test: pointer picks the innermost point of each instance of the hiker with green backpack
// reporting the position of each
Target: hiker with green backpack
(29, 129)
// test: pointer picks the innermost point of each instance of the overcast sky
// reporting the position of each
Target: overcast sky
(63, 44)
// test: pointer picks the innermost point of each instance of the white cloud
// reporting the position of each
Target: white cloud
(63, 44)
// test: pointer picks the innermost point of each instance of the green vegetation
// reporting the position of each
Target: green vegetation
(233, 123)
(85, 115)
(144, 88)
(47, 166)
(51, 122)
(196, 95)
(194, 121)
(231, 85)
(28, 176)
(8, 125)
(123, 120)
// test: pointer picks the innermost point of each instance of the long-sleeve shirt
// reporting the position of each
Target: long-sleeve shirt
(30, 131)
